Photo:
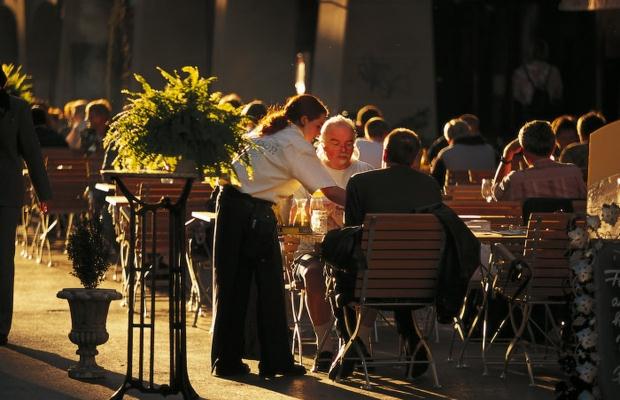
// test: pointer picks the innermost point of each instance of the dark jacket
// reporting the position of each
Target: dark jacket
(459, 259)
(400, 189)
(18, 143)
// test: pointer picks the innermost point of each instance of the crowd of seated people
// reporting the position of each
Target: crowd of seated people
(379, 166)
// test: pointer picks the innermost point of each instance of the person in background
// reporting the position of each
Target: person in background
(232, 99)
(363, 115)
(536, 85)
(56, 120)
(370, 147)
(255, 111)
(75, 113)
(46, 135)
(466, 151)
(577, 153)
(98, 113)
(246, 245)
(544, 177)
(441, 142)
(565, 131)
(18, 143)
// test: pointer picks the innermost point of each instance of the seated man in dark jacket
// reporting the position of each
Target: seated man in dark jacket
(398, 188)
(401, 188)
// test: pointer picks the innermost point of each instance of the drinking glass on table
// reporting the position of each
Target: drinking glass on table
(486, 189)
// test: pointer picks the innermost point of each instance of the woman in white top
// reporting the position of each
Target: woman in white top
(246, 242)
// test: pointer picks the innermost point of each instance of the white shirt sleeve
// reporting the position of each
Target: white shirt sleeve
(305, 166)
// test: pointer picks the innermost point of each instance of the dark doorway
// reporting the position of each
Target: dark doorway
(479, 43)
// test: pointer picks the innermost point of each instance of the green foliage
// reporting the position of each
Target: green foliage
(18, 84)
(89, 252)
(181, 121)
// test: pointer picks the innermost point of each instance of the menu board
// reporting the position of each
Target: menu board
(607, 281)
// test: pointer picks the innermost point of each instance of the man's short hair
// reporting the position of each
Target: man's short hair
(401, 146)
(39, 115)
(537, 137)
(588, 123)
(455, 129)
(254, 110)
(563, 123)
(365, 113)
(472, 121)
(376, 128)
(99, 107)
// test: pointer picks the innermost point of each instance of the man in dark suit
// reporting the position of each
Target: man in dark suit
(18, 143)
(397, 188)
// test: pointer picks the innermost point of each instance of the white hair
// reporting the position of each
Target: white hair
(336, 120)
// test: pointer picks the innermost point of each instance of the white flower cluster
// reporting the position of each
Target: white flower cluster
(583, 251)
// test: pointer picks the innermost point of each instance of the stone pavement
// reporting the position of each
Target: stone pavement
(33, 366)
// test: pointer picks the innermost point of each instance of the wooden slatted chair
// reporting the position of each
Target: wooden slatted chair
(545, 256)
(402, 253)
(153, 232)
(467, 177)
(68, 175)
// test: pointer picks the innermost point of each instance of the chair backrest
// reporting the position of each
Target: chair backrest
(545, 205)
(545, 252)
(467, 177)
(152, 191)
(465, 192)
(402, 253)
(68, 175)
(503, 212)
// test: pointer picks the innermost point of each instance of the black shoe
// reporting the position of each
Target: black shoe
(292, 370)
(323, 361)
(4, 340)
(223, 370)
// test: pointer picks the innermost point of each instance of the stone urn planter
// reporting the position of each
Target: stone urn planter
(89, 251)
(89, 312)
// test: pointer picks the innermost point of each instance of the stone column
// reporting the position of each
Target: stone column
(327, 74)
(169, 35)
(254, 48)
(378, 52)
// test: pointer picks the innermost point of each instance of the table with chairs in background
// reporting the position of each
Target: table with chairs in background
(523, 258)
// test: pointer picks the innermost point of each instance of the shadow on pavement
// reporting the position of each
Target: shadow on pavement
(16, 388)
(305, 387)
(112, 380)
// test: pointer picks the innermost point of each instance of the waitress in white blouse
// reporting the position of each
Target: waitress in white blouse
(246, 242)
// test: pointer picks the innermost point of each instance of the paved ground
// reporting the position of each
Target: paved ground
(34, 364)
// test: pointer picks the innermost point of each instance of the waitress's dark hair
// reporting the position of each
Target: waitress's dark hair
(303, 105)
(2, 78)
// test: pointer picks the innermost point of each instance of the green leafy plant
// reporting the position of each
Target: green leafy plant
(18, 84)
(184, 120)
(89, 251)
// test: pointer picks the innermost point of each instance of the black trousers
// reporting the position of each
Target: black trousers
(9, 217)
(246, 247)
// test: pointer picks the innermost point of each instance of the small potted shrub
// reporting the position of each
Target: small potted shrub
(89, 252)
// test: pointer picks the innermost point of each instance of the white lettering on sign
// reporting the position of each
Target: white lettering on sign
(618, 339)
(615, 302)
(612, 276)
(616, 375)
(616, 321)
